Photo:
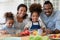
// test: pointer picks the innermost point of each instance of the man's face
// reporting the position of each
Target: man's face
(48, 9)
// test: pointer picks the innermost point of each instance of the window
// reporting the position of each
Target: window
(56, 4)
(8, 6)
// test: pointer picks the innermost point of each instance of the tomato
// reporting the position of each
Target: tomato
(55, 36)
(22, 33)
(27, 32)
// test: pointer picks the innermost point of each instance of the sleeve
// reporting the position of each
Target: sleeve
(57, 26)
(57, 23)
(41, 23)
(28, 25)
(3, 28)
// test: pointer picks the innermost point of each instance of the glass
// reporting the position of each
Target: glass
(40, 31)
(36, 32)
(17, 32)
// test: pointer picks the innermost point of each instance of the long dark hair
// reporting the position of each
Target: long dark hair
(22, 5)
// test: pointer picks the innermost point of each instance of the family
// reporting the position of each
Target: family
(46, 19)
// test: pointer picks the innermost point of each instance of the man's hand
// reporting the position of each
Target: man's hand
(48, 31)
(57, 31)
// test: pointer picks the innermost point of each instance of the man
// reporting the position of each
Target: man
(51, 18)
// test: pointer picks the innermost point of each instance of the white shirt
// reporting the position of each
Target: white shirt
(29, 24)
(20, 26)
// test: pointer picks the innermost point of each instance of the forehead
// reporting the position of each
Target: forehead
(47, 6)
(35, 14)
(22, 8)
(10, 20)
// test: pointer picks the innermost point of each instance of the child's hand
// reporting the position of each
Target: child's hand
(43, 34)
(3, 32)
(26, 28)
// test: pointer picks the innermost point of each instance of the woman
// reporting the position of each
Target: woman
(21, 17)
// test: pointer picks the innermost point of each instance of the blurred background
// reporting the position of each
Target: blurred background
(11, 6)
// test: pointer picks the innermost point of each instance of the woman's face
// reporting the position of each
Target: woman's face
(35, 16)
(21, 11)
(10, 23)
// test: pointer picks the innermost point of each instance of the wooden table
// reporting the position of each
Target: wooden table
(8, 35)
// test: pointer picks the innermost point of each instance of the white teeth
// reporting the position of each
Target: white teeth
(47, 13)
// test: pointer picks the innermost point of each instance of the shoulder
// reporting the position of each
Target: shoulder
(4, 27)
(42, 13)
(27, 19)
(29, 23)
(56, 12)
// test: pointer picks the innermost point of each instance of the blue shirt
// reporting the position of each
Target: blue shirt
(9, 30)
(52, 22)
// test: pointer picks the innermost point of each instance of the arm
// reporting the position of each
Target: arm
(3, 31)
(27, 26)
(57, 23)
(57, 26)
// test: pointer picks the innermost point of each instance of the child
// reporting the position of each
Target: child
(35, 23)
(8, 27)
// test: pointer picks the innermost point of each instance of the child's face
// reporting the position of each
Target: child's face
(10, 23)
(35, 16)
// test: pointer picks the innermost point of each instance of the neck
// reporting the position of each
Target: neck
(19, 19)
(34, 21)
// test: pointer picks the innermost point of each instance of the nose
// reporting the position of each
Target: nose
(23, 12)
(10, 24)
(47, 11)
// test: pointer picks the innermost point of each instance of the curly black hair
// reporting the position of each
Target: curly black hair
(9, 15)
(35, 8)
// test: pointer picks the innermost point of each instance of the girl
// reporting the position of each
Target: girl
(35, 23)
(8, 27)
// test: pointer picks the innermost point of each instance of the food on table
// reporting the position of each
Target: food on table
(35, 37)
(38, 37)
(25, 33)
(55, 36)
(31, 37)
(35, 32)
(45, 38)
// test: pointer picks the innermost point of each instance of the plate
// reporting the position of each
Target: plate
(55, 36)
(12, 38)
